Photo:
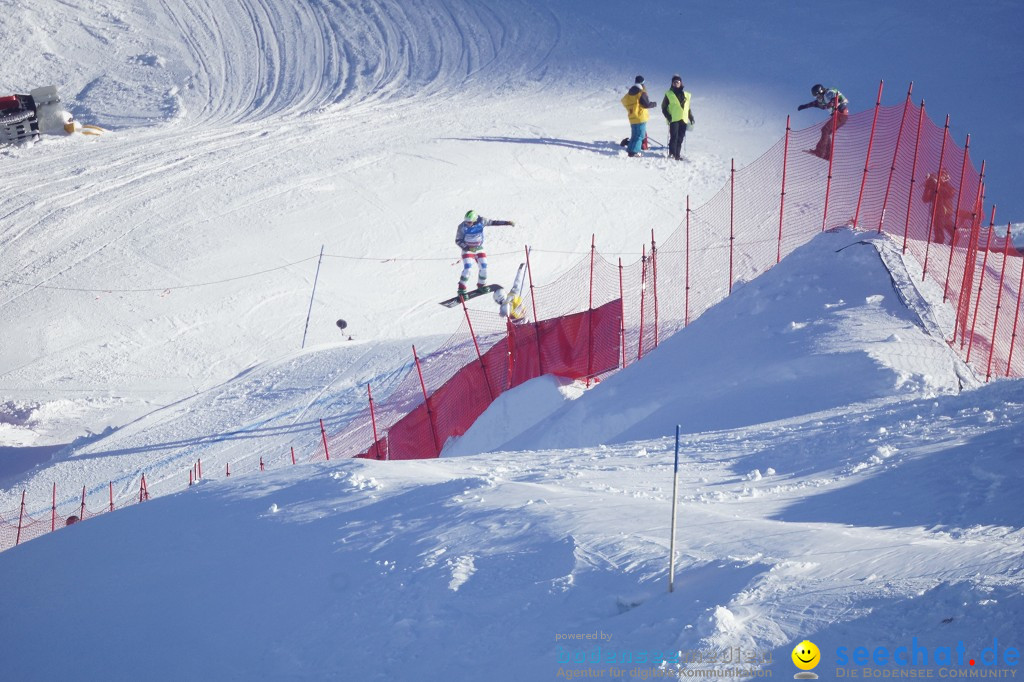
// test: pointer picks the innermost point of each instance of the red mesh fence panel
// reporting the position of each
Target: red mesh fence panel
(582, 345)
(524, 360)
(411, 437)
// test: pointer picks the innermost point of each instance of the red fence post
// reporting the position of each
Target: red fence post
(831, 157)
(643, 291)
(323, 435)
(426, 401)
(373, 423)
(686, 310)
(972, 252)
(913, 175)
(21, 517)
(967, 278)
(81, 513)
(732, 206)
(956, 216)
(110, 490)
(261, 463)
(622, 318)
(892, 166)
(968, 281)
(935, 204)
(53, 509)
(374, 433)
(536, 320)
(782, 196)
(191, 476)
(867, 159)
(999, 302)
(590, 311)
(479, 356)
(960, 196)
(1016, 318)
(227, 469)
(143, 490)
(200, 462)
(654, 277)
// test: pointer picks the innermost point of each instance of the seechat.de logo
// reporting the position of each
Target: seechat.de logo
(806, 656)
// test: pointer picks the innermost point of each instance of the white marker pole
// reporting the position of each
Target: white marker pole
(672, 541)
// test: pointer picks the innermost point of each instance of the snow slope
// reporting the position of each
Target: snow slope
(881, 511)
(245, 138)
(844, 478)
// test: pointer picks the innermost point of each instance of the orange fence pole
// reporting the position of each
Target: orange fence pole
(935, 204)
(536, 320)
(426, 401)
(654, 277)
(892, 166)
(831, 157)
(1016, 318)
(782, 197)
(323, 435)
(643, 291)
(867, 158)
(479, 355)
(999, 303)
(981, 286)
(913, 176)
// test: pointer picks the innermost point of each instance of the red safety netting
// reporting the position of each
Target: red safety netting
(890, 169)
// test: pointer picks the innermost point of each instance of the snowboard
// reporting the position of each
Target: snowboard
(470, 294)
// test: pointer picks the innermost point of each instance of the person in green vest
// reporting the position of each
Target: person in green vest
(675, 106)
(636, 103)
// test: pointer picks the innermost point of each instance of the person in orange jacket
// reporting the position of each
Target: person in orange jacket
(938, 191)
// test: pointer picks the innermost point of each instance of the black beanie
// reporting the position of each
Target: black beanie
(639, 80)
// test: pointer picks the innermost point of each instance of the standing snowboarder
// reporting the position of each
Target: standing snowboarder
(831, 100)
(675, 106)
(470, 238)
(636, 103)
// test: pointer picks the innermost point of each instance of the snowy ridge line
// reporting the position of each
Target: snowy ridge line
(602, 311)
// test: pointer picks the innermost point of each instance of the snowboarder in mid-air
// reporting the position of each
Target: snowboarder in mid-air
(833, 101)
(470, 238)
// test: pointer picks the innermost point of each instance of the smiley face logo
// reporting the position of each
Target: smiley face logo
(806, 655)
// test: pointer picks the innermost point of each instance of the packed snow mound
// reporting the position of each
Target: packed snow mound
(826, 327)
(515, 411)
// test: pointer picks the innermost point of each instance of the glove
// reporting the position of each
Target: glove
(802, 107)
(692, 119)
(512, 223)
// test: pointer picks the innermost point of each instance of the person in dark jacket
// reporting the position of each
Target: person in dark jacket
(675, 107)
(831, 100)
(637, 104)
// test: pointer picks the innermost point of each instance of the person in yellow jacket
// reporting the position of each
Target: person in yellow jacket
(637, 104)
(675, 106)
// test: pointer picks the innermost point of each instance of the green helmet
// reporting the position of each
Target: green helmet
(470, 216)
